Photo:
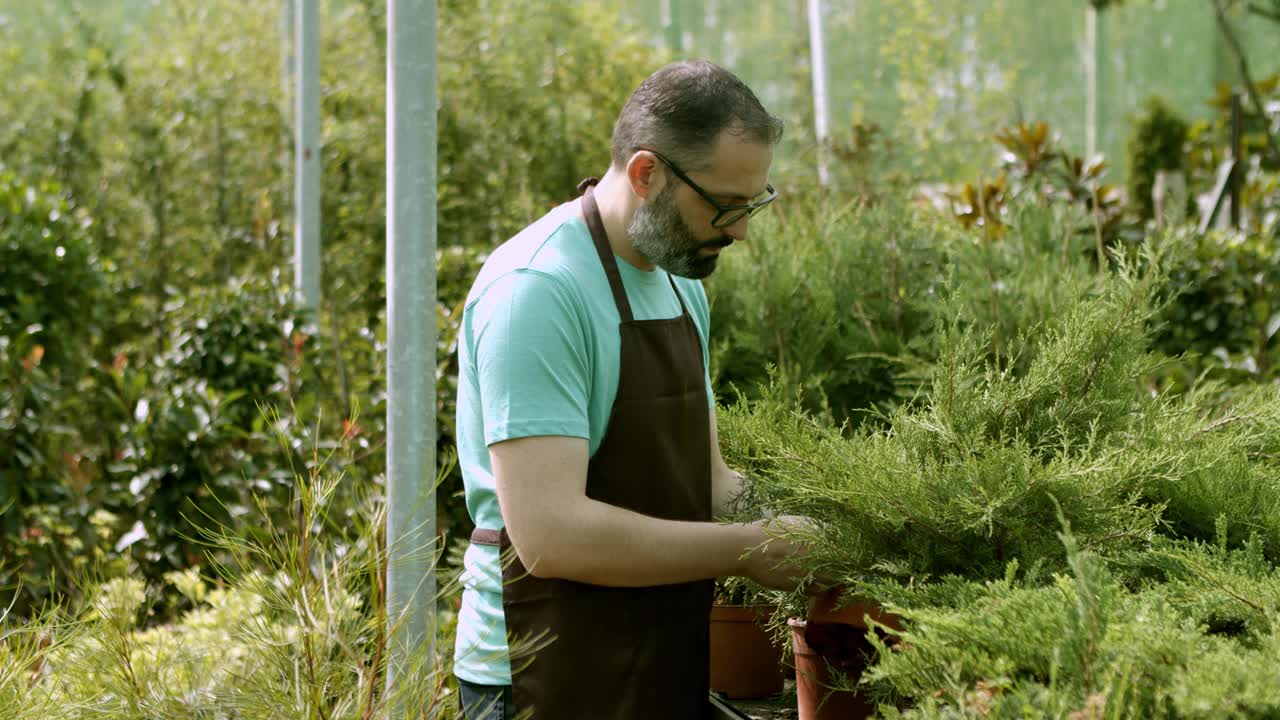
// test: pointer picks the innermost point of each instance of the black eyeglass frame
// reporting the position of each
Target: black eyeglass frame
(742, 211)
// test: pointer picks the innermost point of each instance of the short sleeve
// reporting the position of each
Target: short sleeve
(531, 358)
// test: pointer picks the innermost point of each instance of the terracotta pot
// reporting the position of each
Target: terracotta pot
(834, 640)
(826, 609)
(814, 674)
(744, 661)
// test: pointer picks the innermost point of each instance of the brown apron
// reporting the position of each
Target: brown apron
(627, 653)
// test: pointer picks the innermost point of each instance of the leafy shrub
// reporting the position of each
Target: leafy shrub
(239, 338)
(51, 291)
(1156, 143)
(1225, 309)
(149, 447)
(194, 444)
(51, 295)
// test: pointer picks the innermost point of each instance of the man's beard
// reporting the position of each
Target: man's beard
(662, 236)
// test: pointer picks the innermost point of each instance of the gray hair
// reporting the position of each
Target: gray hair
(681, 109)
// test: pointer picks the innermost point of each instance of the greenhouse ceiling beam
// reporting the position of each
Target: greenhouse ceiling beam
(306, 193)
(411, 342)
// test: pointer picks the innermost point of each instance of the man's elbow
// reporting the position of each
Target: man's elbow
(541, 566)
(539, 557)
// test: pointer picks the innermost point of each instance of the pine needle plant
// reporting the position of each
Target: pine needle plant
(1059, 540)
(288, 623)
(830, 293)
(842, 298)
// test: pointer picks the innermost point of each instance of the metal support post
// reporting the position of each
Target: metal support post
(411, 342)
(669, 11)
(821, 112)
(1092, 71)
(306, 196)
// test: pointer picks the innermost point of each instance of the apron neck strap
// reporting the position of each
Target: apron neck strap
(591, 212)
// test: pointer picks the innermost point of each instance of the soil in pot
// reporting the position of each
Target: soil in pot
(744, 661)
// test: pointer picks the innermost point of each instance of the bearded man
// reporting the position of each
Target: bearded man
(587, 427)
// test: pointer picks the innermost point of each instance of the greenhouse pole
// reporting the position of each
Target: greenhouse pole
(286, 87)
(1094, 57)
(670, 12)
(411, 342)
(306, 194)
(821, 114)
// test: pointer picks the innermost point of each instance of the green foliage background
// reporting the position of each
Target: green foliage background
(187, 459)
(164, 150)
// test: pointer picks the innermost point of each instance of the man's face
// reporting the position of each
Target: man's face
(662, 235)
(672, 229)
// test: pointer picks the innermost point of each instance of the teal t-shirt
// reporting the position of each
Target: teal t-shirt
(538, 354)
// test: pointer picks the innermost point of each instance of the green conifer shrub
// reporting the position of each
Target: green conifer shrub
(1195, 639)
(830, 294)
(841, 299)
(964, 481)
(1058, 538)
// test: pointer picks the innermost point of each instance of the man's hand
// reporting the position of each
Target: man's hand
(775, 562)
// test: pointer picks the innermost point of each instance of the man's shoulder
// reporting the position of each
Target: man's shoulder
(554, 249)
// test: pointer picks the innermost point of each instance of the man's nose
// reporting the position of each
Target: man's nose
(738, 230)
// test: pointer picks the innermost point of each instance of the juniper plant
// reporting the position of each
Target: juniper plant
(950, 516)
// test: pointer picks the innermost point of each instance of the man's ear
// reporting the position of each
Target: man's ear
(644, 175)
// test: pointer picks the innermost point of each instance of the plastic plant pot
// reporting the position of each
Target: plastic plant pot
(745, 663)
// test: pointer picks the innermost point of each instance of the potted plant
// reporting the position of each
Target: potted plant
(745, 660)
(832, 649)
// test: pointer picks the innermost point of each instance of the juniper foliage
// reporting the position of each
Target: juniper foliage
(1060, 540)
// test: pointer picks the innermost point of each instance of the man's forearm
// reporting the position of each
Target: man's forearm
(603, 544)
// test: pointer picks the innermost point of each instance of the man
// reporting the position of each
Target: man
(586, 423)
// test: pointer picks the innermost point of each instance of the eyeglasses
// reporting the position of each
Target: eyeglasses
(726, 215)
